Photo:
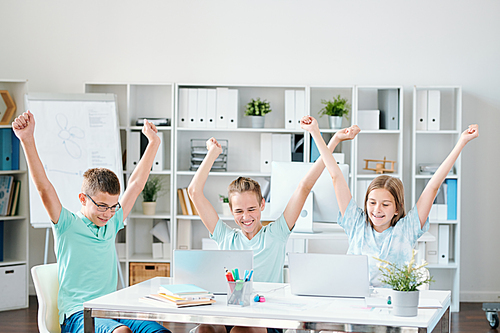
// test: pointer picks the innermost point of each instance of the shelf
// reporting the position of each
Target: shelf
(443, 221)
(147, 257)
(419, 176)
(371, 176)
(380, 132)
(8, 262)
(158, 215)
(451, 265)
(159, 128)
(241, 129)
(227, 174)
(439, 132)
(12, 172)
(12, 218)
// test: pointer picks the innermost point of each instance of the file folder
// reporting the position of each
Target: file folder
(211, 108)
(431, 248)
(134, 150)
(388, 102)
(201, 113)
(452, 199)
(15, 152)
(421, 116)
(300, 106)
(192, 107)
(183, 107)
(433, 110)
(444, 244)
(6, 149)
(266, 153)
(222, 98)
(232, 108)
(289, 109)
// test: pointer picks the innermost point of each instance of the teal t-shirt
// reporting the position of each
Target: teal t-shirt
(86, 259)
(269, 246)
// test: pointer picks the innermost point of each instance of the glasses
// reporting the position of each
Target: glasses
(103, 208)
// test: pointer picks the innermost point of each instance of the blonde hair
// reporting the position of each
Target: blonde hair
(395, 187)
(244, 184)
(100, 180)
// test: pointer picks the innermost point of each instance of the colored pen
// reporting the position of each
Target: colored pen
(236, 274)
(249, 275)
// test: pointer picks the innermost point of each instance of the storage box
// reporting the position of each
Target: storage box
(142, 271)
(13, 287)
(369, 119)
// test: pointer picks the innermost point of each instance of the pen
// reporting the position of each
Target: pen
(229, 275)
(249, 275)
(246, 275)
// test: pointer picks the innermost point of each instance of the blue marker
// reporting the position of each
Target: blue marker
(249, 276)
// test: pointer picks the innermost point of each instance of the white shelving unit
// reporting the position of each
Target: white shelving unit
(432, 147)
(14, 269)
(376, 143)
(139, 100)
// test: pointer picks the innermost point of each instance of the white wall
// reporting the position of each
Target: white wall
(58, 45)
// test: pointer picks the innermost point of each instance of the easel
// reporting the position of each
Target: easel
(46, 254)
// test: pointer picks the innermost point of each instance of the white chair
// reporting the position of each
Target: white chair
(47, 287)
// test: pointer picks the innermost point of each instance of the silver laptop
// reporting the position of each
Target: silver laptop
(205, 268)
(337, 275)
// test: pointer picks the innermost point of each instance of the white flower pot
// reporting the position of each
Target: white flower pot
(404, 303)
(226, 211)
(149, 208)
(257, 121)
(335, 122)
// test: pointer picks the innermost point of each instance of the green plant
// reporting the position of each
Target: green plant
(223, 198)
(338, 107)
(152, 188)
(406, 277)
(256, 107)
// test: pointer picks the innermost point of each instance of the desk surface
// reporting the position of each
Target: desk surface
(281, 310)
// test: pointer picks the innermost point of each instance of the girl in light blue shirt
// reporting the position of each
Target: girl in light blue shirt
(382, 229)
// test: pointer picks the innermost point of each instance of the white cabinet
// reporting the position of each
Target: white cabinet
(379, 112)
(437, 126)
(136, 101)
(14, 229)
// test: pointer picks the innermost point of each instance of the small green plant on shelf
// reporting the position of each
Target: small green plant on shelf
(223, 198)
(256, 107)
(154, 186)
(338, 107)
(407, 277)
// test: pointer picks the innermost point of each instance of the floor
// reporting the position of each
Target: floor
(470, 319)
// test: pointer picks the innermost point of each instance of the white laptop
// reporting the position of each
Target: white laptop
(205, 268)
(337, 275)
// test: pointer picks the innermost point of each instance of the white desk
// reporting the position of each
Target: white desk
(281, 310)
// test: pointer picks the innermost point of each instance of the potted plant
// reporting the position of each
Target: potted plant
(152, 188)
(404, 281)
(224, 201)
(335, 109)
(256, 109)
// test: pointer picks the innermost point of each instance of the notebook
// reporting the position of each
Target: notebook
(205, 268)
(337, 275)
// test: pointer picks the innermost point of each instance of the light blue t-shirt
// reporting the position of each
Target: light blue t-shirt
(394, 244)
(86, 259)
(269, 246)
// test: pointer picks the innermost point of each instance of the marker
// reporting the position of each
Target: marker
(249, 275)
(236, 274)
(229, 276)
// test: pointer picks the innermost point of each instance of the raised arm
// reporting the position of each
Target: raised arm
(139, 177)
(340, 185)
(207, 212)
(24, 127)
(428, 195)
(296, 202)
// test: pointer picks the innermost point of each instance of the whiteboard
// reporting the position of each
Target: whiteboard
(73, 133)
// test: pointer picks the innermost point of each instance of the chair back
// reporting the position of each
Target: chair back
(47, 287)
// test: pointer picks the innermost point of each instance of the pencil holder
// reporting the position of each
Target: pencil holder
(239, 293)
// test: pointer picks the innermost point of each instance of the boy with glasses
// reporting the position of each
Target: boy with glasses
(85, 240)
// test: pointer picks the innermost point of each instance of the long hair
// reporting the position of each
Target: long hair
(395, 187)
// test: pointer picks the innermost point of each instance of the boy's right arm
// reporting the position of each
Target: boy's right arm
(340, 185)
(24, 127)
(207, 212)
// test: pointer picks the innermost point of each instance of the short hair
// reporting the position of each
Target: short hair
(100, 180)
(395, 187)
(244, 184)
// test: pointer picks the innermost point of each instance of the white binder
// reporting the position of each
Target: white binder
(211, 108)
(388, 103)
(201, 116)
(184, 234)
(222, 98)
(444, 244)
(192, 107)
(300, 106)
(289, 109)
(421, 121)
(232, 108)
(433, 110)
(183, 107)
(281, 147)
(158, 161)
(134, 150)
(266, 153)
(361, 187)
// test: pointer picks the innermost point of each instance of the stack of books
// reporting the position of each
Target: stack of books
(180, 295)
(9, 195)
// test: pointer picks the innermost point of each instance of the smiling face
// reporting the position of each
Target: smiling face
(246, 210)
(381, 209)
(89, 209)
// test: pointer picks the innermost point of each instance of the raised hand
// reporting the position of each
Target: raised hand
(150, 130)
(212, 144)
(470, 133)
(24, 126)
(348, 133)
(309, 124)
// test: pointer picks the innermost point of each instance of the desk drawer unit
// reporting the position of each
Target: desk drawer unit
(142, 271)
(13, 287)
